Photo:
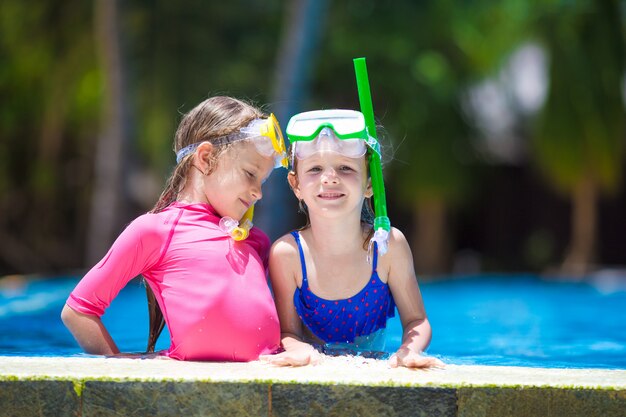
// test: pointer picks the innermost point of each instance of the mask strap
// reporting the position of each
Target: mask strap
(186, 151)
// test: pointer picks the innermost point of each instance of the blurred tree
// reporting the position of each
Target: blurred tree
(107, 202)
(581, 134)
(421, 58)
(55, 84)
(51, 91)
(178, 55)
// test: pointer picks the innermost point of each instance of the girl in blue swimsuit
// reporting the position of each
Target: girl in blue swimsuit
(334, 284)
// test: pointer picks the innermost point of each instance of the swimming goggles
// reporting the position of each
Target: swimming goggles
(264, 133)
(339, 131)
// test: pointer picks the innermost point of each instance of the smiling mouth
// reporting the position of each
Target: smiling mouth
(245, 203)
(330, 196)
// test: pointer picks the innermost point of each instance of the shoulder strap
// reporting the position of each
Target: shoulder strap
(296, 236)
(375, 257)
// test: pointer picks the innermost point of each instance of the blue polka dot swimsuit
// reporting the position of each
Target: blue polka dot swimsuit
(344, 320)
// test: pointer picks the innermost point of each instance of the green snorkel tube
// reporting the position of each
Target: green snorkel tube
(382, 225)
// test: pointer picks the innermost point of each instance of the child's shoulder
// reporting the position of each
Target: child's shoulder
(285, 259)
(396, 236)
(152, 221)
(397, 263)
(398, 246)
(144, 223)
(151, 225)
(284, 246)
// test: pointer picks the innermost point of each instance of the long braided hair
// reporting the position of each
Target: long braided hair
(214, 117)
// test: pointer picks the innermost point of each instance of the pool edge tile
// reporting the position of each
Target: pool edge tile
(339, 400)
(52, 398)
(535, 401)
(168, 398)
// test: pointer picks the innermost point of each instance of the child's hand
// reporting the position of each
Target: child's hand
(410, 359)
(301, 356)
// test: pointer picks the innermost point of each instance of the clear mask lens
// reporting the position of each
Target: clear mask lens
(327, 141)
(264, 133)
(263, 145)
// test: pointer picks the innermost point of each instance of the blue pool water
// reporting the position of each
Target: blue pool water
(487, 320)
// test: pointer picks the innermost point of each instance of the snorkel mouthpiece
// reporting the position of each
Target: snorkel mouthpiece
(238, 230)
(235, 231)
(380, 237)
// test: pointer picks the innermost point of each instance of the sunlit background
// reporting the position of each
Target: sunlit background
(502, 123)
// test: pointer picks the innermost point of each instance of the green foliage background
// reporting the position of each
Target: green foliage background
(422, 59)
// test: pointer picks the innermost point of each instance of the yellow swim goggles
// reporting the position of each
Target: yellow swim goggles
(264, 133)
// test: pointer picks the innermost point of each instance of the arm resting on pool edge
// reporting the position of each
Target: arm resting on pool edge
(284, 263)
(89, 332)
(415, 339)
(397, 265)
(297, 353)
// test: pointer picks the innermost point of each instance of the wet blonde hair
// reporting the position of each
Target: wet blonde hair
(213, 118)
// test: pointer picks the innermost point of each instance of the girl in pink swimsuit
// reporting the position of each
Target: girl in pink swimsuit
(205, 273)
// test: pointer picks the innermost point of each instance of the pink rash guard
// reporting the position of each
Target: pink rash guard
(212, 290)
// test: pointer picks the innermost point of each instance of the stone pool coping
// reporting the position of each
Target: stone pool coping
(338, 386)
(332, 370)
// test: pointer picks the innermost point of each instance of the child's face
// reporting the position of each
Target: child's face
(331, 184)
(235, 184)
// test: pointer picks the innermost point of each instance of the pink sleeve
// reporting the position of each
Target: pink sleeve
(260, 243)
(135, 251)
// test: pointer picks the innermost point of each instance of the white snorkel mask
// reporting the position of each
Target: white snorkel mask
(339, 131)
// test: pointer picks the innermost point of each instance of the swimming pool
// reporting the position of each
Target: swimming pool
(517, 320)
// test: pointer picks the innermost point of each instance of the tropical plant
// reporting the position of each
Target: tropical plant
(581, 134)
(51, 85)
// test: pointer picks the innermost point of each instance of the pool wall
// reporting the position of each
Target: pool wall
(341, 386)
